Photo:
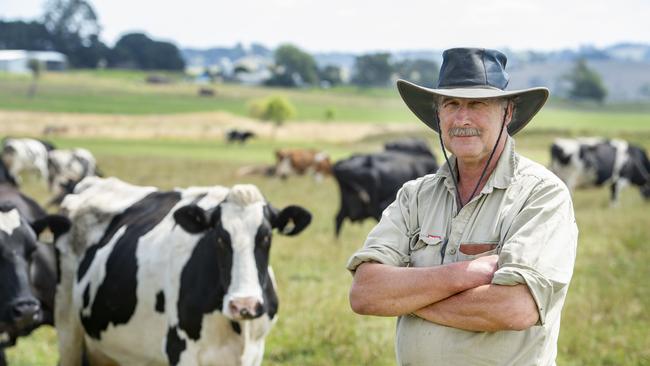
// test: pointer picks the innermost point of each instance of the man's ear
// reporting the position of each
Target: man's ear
(192, 219)
(299, 216)
(510, 111)
(58, 225)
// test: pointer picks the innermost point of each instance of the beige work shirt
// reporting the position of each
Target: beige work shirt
(524, 210)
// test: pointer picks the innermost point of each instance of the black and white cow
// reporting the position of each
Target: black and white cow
(594, 161)
(27, 266)
(66, 168)
(25, 154)
(168, 278)
(369, 182)
(238, 136)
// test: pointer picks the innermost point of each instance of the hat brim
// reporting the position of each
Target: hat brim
(420, 101)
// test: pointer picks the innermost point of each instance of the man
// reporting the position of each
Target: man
(477, 258)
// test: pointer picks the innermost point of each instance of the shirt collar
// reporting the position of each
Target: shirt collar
(500, 177)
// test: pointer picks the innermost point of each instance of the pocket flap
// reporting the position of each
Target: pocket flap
(477, 248)
(430, 239)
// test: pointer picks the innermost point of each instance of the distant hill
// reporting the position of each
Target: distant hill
(624, 67)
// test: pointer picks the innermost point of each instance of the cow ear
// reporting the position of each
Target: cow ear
(192, 219)
(297, 215)
(58, 225)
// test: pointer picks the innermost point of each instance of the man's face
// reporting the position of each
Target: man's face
(470, 127)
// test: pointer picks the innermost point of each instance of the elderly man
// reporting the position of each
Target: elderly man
(477, 258)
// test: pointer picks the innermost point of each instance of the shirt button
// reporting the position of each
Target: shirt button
(452, 251)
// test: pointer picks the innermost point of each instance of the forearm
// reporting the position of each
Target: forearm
(486, 308)
(384, 290)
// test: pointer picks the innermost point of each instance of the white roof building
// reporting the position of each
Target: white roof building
(17, 61)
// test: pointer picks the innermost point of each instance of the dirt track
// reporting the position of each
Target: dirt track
(209, 125)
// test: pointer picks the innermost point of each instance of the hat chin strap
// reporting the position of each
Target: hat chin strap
(459, 201)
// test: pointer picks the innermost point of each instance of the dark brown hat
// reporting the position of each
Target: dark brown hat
(473, 73)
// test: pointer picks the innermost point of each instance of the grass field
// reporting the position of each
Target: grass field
(605, 319)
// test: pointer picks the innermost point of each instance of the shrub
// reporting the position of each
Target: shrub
(275, 108)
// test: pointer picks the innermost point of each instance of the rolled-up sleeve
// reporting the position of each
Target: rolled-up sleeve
(388, 241)
(539, 248)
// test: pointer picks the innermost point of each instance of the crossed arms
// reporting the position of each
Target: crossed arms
(457, 295)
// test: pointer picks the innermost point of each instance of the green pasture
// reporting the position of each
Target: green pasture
(605, 320)
(125, 92)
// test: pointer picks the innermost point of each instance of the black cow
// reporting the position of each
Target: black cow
(369, 182)
(27, 266)
(238, 136)
(168, 278)
(588, 162)
(414, 146)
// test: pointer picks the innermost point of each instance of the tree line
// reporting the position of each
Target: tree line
(72, 28)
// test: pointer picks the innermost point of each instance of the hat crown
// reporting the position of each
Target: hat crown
(473, 67)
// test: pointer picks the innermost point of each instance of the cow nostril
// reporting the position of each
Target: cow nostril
(25, 309)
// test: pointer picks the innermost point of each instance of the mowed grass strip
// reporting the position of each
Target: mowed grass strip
(605, 319)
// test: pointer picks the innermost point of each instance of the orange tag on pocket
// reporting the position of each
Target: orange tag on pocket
(474, 249)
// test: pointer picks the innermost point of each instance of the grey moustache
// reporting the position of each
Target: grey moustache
(462, 132)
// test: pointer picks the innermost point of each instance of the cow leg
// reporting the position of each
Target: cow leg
(338, 223)
(68, 325)
(616, 188)
(3, 361)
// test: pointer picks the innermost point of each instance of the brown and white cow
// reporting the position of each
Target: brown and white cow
(302, 161)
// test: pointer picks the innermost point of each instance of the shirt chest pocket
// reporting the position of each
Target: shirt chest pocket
(425, 250)
(470, 250)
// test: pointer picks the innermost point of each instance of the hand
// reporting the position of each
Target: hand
(483, 268)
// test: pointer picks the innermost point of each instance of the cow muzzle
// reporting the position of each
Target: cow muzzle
(245, 308)
(25, 312)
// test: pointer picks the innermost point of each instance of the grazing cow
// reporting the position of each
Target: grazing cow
(369, 182)
(27, 267)
(238, 136)
(168, 278)
(301, 161)
(67, 168)
(588, 162)
(26, 154)
(413, 146)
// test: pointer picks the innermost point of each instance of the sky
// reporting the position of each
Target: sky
(368, 25)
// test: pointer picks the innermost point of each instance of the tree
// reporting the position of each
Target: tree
(137, 51)
(372, 70)
(19, 35)
(422, 72)
(75, 29)
(586, 84)
(330, 74)
(294, 66)
(274, 108)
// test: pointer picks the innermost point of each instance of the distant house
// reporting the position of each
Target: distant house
(252, 69)
(17, 61)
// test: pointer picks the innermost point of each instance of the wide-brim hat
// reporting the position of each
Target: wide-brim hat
(473, 73)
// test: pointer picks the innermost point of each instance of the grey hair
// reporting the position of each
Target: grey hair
(503, 101)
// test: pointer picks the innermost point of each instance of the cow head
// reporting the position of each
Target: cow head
(19, 309)
(241, 228)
